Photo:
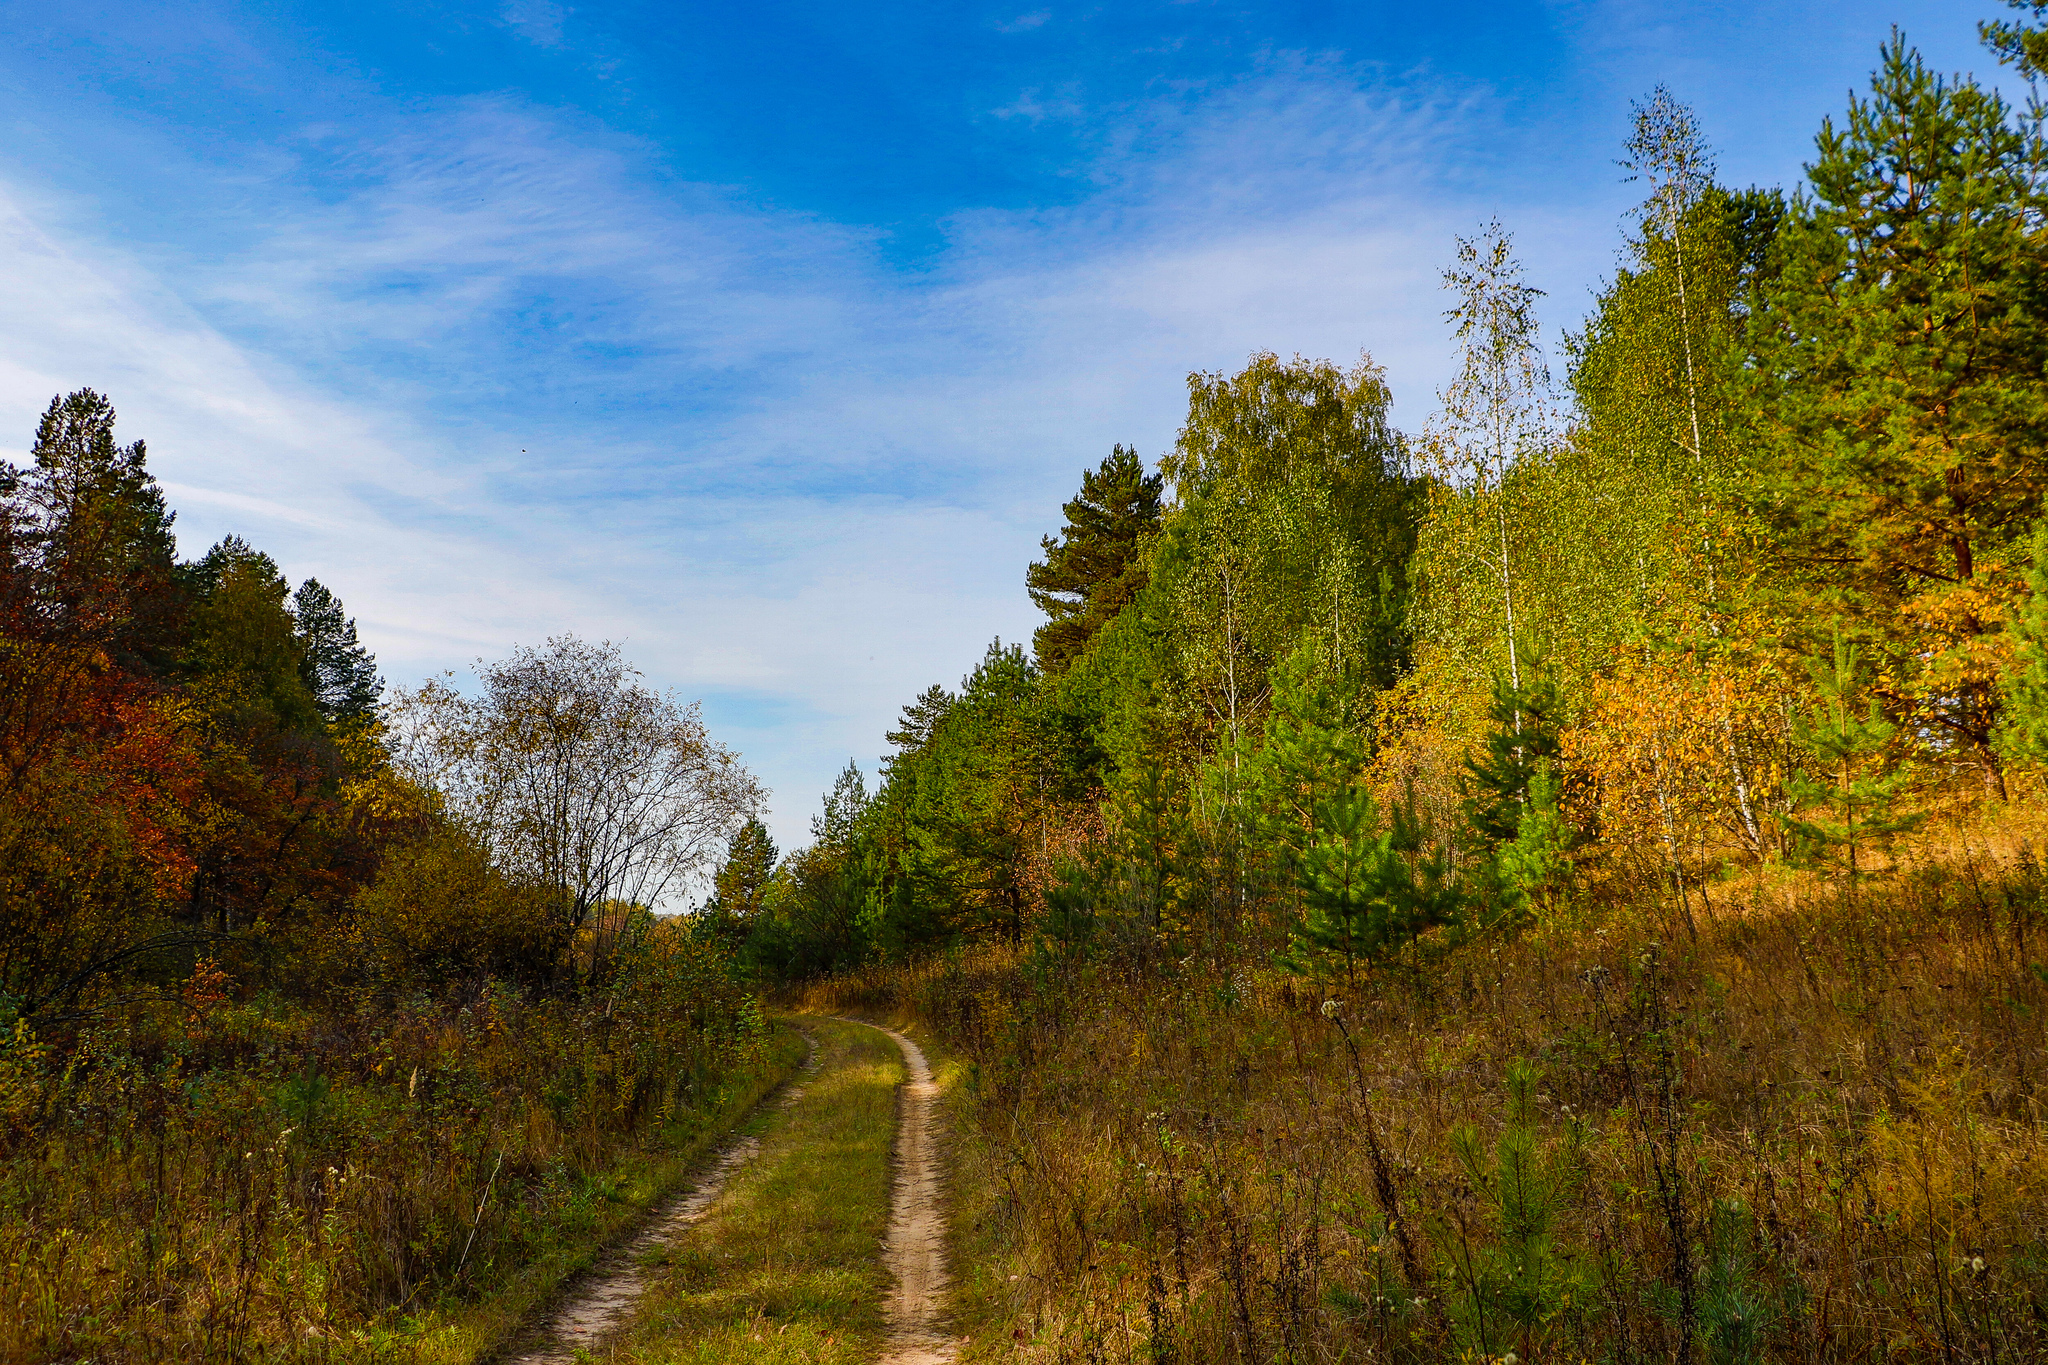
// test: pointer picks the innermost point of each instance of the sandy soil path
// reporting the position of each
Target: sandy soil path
(915, 1250)
(602, 1301)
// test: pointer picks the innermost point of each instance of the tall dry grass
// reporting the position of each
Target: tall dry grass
(1813, 1133)
(217, 1179)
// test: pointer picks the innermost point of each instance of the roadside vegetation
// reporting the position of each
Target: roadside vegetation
(333, 1025)
(1561, 885)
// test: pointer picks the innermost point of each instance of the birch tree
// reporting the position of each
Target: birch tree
(1291, 513)
(1495, 416)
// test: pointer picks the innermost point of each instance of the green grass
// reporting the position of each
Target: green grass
(787, 1267)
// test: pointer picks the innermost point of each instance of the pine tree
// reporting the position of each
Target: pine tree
(742, 884)
(1367, 888)
(1097, 563)
(89, 551)
(740, 890)
(1901, 371)
(1151, 836)
(2026, 707)
(833, 827)
(1512, 1292)
(1845, 802)
(1526, 738)
(2024, 47)
(339, 672)
(921, 720)
(1368, 892)
(1534, 868)
(1307, 753)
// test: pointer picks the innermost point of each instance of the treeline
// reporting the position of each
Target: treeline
(177, 735)
(322, 1012)
(1561, 885)
(1759, 583)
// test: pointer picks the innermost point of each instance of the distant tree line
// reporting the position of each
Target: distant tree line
(201, 763)
(1758, 578)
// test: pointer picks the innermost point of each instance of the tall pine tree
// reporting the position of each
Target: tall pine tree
(338, 671)
(1901, 355)
(1097, 564)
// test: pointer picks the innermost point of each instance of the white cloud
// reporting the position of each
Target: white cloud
(1025, 23)
(538, 21)
(511, 384)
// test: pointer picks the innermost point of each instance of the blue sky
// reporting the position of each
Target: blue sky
(767, 339)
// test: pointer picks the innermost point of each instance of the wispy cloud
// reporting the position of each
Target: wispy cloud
(1025, 23)
(538, 21)
(1038, 105)
(508, 380)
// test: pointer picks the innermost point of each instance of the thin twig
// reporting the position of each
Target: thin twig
(477, 1221)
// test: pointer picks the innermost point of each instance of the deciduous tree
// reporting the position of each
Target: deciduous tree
(610, 794)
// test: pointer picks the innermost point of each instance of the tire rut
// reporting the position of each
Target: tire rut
(600, 1303)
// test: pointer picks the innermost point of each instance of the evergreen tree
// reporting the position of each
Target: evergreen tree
(2026, 711)
(2022, 46)
(1525, 739)
(1902, 388)
(1513, 793)
(1097, 564)
(921, 720)
(337, 670)
(742, 883)
(1365, 891)
(1150, 842)
(833, 827)
(968, 803)
(89, 555)
(815, 909)
(1846, 802)
(1307, 754)
(1368, 892)
(739, 897)
(1534, 868)
(1512, 1292)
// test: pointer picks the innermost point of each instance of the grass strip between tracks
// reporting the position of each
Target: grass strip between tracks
(787, 1266)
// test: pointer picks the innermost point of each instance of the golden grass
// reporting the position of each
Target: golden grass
(1814, 1134)
(179, 1216)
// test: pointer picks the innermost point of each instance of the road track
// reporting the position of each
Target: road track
(915, 1250)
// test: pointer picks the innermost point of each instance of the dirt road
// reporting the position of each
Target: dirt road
(915, 1251)
(913, 1248)
(602, 1302)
